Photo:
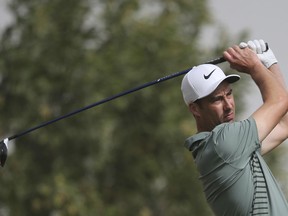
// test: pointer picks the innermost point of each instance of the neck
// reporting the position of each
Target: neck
(203, 128)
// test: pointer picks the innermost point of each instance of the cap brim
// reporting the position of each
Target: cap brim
(232, 78)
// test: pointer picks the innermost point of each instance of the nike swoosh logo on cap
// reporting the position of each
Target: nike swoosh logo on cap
(208, 76)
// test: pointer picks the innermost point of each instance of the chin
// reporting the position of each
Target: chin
(229, 120)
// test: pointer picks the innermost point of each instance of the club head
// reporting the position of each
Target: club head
(3, 151)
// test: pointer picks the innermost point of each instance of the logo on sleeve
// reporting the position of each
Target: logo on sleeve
(208, 76)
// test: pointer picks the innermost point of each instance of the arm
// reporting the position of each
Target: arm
(267, 57)
(274, 95)
(280, 132)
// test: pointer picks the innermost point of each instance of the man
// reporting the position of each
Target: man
(228, 154)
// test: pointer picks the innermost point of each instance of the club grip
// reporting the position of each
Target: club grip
(216, 61)
(222, 59)
(267, 47)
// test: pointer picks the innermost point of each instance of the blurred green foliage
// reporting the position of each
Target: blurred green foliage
(125, 157)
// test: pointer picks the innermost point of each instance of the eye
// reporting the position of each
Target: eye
(229, 93)
(216, 99)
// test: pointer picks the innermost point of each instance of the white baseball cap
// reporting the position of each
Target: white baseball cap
(202, 80)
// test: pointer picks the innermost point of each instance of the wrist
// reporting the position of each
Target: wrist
(257, 70)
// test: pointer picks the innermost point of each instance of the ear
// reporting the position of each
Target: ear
(194, 109)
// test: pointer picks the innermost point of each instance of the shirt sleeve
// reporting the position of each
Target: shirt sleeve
(236, 142)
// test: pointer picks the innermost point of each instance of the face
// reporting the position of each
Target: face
(217, 108)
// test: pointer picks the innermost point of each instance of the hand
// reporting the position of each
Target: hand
(242, 60)
(266, 56)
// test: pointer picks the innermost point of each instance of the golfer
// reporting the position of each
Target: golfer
(228, 153)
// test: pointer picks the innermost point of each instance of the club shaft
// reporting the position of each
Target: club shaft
(145, 85)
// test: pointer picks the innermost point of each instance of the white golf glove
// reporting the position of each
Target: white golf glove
(264, 53)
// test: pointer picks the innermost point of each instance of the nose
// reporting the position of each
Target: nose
(228, 103)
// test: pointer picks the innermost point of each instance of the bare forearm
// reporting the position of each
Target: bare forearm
(276, 71)
(268, 83)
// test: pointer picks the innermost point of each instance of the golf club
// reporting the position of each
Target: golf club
(4, 143)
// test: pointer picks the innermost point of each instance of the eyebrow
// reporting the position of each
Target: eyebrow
(219, 95)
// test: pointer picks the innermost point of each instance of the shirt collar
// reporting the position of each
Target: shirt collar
(195, 139)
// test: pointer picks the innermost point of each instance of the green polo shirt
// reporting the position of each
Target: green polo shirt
(223, 159)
